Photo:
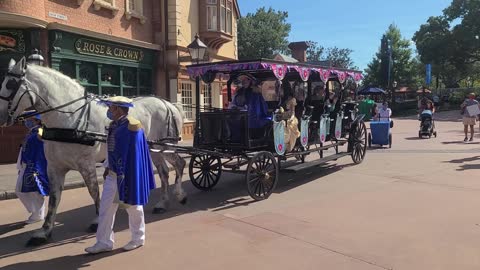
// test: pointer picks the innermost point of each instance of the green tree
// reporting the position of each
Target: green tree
(340, 58)
(402, 63)
(454, 52)
(337, 57)
(314, 51)
(263, 34)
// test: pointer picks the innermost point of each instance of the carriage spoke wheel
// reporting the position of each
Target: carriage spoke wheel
(358, 142)
(205, 171)
(262, 175)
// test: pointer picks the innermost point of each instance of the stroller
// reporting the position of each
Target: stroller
(427, 124)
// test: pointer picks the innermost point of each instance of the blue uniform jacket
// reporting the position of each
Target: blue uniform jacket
(35, 178)
(129, 158)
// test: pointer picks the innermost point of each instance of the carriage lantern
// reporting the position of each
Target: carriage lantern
(36, 58)
(197, 51)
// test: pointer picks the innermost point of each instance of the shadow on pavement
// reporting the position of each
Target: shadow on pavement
(466, 167)
(460, 142)
(463, 160)
(65, 262)
(72, 225)
(4, 229)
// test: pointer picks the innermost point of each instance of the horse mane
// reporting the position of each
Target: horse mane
(53, 77)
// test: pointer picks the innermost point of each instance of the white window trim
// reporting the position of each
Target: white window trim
(188, 108)
(106, 4)
(137, 13)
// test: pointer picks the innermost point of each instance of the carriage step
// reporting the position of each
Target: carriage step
(309, 164)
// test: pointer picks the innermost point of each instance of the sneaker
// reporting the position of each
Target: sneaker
(98, 248)
(34, 219)
(133, 245)
(471, 139)
(466, 139)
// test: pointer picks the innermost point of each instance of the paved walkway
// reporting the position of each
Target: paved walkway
(8, 178)
(415, 206)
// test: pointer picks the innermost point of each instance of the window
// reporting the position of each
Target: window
(107, 4)
(212, 19)
(134, 8)
(229, 16)
(187, 99)
(223, 15)
(207, 96)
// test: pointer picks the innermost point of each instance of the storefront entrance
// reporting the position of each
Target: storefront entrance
(102, 67)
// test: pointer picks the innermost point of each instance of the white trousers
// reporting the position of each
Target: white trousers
(108, 209)
(34, 202)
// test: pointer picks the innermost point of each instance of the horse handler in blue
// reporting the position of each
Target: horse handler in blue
(32, 181)
(128, 177)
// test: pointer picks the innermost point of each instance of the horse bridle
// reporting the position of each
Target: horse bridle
(21, 80)
(14, 85)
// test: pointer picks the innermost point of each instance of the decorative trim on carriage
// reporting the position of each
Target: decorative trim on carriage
(279, 69)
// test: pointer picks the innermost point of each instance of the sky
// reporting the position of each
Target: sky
(354, 24)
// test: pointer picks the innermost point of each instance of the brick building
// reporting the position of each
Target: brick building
(121, 47)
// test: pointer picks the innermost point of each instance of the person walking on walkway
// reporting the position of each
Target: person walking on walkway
(128, 177)
(32, 181)
(468, 119)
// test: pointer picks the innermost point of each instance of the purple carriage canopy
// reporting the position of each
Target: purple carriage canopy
(277, 68)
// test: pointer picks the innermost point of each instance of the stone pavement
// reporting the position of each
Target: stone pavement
(411, 207)
(8, 178)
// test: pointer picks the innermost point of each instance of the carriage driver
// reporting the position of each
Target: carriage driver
(128, 177)
(251, 99)
(32, 181)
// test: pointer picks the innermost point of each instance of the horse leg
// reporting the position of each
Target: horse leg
(162, 168)
(56, 182)
(179, 164)
(89, 174)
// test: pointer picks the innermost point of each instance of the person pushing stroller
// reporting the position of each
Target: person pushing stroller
(427, 124)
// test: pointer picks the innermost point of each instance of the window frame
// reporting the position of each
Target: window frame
(136, 12)
(187, 99)
(212, 21)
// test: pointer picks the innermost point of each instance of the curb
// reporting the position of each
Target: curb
(10, 194)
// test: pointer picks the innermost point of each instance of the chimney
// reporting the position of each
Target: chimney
(299, 50)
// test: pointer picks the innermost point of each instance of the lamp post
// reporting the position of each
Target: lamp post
(197, 51)
(36, 58)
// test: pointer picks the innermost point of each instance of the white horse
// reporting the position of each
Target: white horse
(46, 89)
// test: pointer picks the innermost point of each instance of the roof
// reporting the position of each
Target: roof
(285, 58)
(267, 68)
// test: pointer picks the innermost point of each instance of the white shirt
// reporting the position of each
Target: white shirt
(384, 114)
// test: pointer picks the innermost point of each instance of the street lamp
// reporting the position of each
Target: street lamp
(36, 58)
(197, 51)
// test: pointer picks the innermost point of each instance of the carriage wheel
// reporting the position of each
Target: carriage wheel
(358, 142)
(205, 171)
(262, 175)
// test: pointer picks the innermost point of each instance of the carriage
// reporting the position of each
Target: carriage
(259, 153)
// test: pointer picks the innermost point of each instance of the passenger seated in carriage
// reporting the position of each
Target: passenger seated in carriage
(249, 98)
(287, 112)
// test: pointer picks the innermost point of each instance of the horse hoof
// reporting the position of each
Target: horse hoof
(184, 201)
(159, 210)
(93, 228)
(36, 241)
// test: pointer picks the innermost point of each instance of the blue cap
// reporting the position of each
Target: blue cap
(29, 113)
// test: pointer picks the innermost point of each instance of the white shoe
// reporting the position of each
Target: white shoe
(34, 219)
(98, 248)
(133, 245)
